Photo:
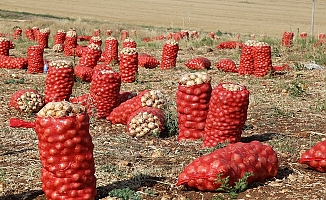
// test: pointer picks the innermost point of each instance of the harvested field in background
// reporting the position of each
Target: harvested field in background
(240, 16)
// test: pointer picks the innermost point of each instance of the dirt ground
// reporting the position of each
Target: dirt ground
(237, 16)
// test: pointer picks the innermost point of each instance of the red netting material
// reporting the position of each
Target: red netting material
(4, 47)
(287, 39)
(89, 57)
(110, 53)
(169, 55)
(16, 95)
(230, 45)
(17, 33)
(29, 34)
(121, 113)
(227, 65)
(66, 154)
(262, 60)
(205, 173)
(198, 63)
(13, 63)
(104, 91)
(147, 61)
(58, 84)
(43, 39)
(315, 157)
(35, 59)
(59, 37)
(128, 66)
(246, 65)
(192, 107)
(227, 114)
(70, 44)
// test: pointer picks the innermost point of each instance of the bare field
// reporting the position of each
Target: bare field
(242, 16)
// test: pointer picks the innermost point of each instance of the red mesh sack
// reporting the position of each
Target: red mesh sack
(230, 45)
(287, 39)
(125, 96)
(43, 38)
(146, 98)
(60, 37)
(246, 65)
(169, 54)
(28, 100)
(35, 59)
(145, 121)
(29, 34)
(97, 32)
(70, 43)
(303, 35)
(84, 73)
(5, 61)
(79, 50)
(66, 152)
(206, 172)
(108, 33)
(227, 114)
(262, 59)
(128, 65)
(227, 65)
(36, 32)
(315, 157)
(110, 53)
(90, 56)
(59, 81)
(193, 95)
(129, 42)
(147, 61)
(17, 33)
(20, 63)
(4, 46)
(96, 40)
(104, 91)
(84, 100)
(198, 63)
(124, 35)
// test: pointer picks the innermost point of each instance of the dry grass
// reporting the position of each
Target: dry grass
(290, 121)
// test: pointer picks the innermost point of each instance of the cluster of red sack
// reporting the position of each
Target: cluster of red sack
(256, 59)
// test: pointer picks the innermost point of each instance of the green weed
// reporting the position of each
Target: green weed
(232, 191)
(295, 88)
(125, 194)
(171, 120)
(14, 81)
(2, 174)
